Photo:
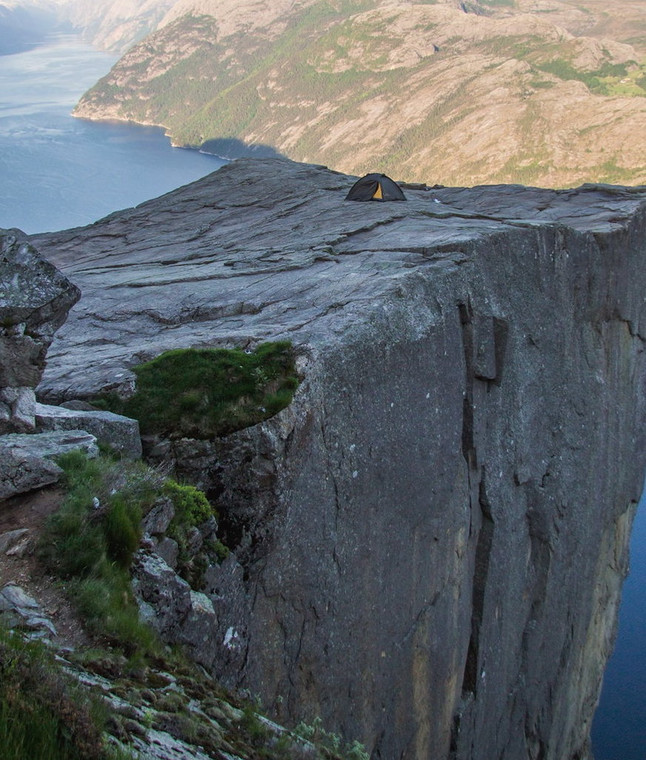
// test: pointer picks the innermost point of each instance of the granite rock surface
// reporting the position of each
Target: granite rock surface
(435, 563)
(34, 301)
(121, 433)
(27, 459)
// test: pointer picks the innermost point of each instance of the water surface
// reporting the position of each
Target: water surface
(619, 728)
(58, 172)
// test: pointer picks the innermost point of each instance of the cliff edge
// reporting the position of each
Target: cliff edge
(429, 542)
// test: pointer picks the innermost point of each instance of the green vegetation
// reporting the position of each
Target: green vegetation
(191, 505)
(90, 541)
(202, 393)
(324, 745)
(314, 732)
(192, 508)
(44, 714)
(596, 81)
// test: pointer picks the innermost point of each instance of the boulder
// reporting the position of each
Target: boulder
(20, 610)
(12, 540)
(21, 471)
(34, 301)
(119, 432)
(177, 612)
(200, 629)
(156, 522)
(26, 461)
(164, 597)
(17, 410)
(168, 550)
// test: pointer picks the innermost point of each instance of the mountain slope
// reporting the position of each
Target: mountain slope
(25, 24)
(422, 91)
(108, 24)
(116, 24)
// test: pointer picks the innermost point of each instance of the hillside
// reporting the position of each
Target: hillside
(544, 92)
(115, 24)
(25, 24)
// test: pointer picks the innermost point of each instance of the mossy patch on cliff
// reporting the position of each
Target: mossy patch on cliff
(202, 393)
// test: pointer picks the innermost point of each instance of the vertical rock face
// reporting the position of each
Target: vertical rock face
(451, 540)
(434, 533)
(34, 300)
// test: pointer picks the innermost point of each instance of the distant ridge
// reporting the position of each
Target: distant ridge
(459, 93)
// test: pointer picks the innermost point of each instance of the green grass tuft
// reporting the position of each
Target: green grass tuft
(202, 393)
(90, 542)
(44, 715)
(191, 505)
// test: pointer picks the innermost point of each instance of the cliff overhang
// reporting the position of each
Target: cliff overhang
(436, 527)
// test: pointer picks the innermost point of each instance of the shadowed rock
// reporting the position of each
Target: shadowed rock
(34, 300)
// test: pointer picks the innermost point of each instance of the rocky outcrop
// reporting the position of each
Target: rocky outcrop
(161, 712)
(34, 301)
(435, 563)
(27, 460)
(120, 432)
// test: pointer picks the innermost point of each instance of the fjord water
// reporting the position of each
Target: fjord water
(619, 728)
(58, 172)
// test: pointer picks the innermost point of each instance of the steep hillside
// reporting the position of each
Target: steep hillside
(24, 24)
(108, 24)
(458, 93)
(116, 24)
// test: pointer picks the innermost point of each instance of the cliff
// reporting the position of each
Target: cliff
(551, 93)
(84, 673)
(428, 544)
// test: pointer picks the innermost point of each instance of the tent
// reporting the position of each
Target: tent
(375, 187)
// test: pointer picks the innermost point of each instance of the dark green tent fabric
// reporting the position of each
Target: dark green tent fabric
(375, 187)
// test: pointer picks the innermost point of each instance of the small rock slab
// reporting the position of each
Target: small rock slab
(25, 459)
(179, 614)
(12, 540)
(19, 610)
(156, 522)
(17, 410)
(122, 433)
(21, 471)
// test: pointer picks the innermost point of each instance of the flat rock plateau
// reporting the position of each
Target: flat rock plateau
(433, 535)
